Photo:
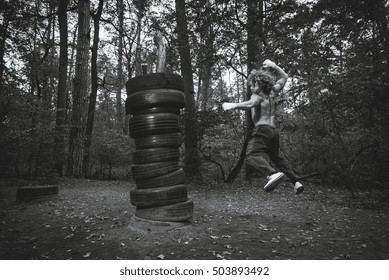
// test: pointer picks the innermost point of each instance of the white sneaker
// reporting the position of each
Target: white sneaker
(274, 180)
(298, 188)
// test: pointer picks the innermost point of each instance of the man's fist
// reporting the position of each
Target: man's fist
(228, 106)
(268, 63)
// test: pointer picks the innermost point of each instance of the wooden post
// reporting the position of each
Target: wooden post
(161, 52)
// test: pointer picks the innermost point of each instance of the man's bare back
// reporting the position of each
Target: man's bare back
(263, 114)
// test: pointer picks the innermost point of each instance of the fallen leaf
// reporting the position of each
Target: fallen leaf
(69, 236)
(91, 235)
(263, 227)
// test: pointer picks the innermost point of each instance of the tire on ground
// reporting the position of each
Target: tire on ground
(151, 170)
(36, 192)
(178, 212)
(159, 196)
(148, 99)
(142, 156)
(155, 81)
(173, 178)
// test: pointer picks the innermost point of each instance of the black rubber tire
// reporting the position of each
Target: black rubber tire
(152, 110)
(155, 155)
(156, 110)
(158, 140)
(178, 212)
(151, 170)
(173, 178)
(147, 99)
(155, 81)
(159, 196)
(150, 124)
(36, 192)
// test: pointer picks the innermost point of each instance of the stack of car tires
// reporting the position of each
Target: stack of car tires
(154, 101)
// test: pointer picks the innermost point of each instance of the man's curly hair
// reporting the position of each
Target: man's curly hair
(265, 80)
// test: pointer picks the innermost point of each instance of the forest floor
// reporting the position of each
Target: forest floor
(92, 220)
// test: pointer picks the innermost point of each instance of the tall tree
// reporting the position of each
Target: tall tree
(59, 138)
(254, 29)
(6, 13)
(192, 161)
(93, 95)
(206, 56)
(254, 33)
(119, 107)
(80, 92)
(141, 8)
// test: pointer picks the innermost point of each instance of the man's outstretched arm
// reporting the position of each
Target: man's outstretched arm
(255, 100)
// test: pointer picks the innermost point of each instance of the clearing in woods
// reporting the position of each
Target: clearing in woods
(91, 219)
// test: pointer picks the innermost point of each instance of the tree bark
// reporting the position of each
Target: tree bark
(254, 35)
(119, 107)
(138, 53)
(59, 139)
(207, 61)
(93, 95)
(7, 13)
(80, 93)
(191, 161)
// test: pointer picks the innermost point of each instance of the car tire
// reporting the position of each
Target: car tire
(179, 212)
(170, 179)
(155, 81)
(151, 170)
(156, 110)
(148, 99)
(159, 140)
(158, 196)
(150, 124)
(28, 193)
(142, 156)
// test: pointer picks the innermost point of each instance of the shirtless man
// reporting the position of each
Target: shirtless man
(264, 142)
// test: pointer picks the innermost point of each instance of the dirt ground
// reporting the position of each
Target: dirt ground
(95, 220)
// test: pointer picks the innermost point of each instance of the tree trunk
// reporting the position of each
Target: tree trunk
(119, 107)
(254, 35)
(93, 95)
(138, 53)
(3, 38)
(191, 161)
(59, 138)
(80, 92)
(208, 58)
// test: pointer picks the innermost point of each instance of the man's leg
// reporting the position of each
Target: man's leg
(283, 164)
(257, 156)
